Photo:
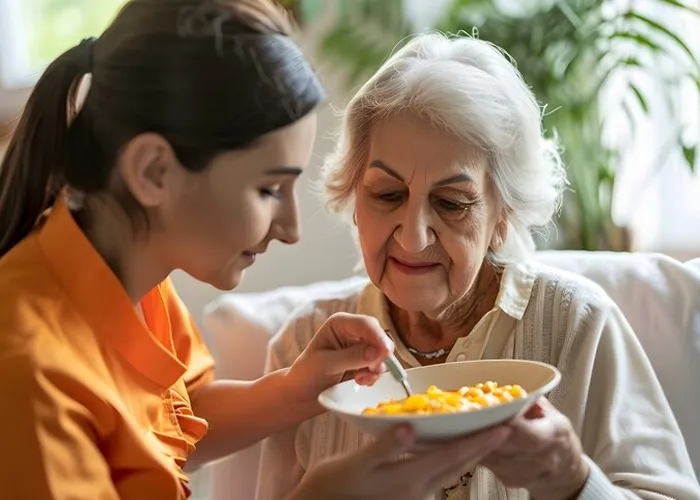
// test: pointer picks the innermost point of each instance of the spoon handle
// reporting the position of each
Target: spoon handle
(394, 367)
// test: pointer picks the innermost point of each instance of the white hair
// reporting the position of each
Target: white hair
(471, 89)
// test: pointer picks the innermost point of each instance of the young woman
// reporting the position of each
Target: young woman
(171, 142)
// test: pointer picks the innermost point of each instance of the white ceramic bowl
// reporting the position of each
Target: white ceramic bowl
(348, 399)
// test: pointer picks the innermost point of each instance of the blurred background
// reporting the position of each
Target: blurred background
(619, 82)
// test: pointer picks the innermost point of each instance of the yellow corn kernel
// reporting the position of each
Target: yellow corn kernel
(489, 387)
(481, 401)
(474, 392)
(438, 401)
(517, 392)
(438, 394)
(435, 404)
(504, 397)
(454, 400)
(471, 406)
(392, 409)
(492, 400)
(416, 402)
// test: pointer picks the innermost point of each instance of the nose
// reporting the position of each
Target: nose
(414, 232)
(286, 226)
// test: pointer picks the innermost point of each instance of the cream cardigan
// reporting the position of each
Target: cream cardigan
(608, 389)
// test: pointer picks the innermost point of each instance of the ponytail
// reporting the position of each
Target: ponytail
(32, 172)
(208, 76)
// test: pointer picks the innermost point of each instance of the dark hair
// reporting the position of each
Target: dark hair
(207, 75)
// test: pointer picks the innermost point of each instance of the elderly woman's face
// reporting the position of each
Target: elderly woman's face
(426, 212)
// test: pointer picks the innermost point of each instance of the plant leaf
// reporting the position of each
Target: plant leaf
(640, 97)
(637, 37)
(631, 61)
(665, 31)
(603, 79)
(690, 153)
(682, 6)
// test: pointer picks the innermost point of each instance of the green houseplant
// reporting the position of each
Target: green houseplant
(568, 51)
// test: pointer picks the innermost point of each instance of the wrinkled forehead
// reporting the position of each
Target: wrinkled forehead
(421, 152)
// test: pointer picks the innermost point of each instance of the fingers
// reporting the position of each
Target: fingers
(540, 409)
(535, 411)
(437, 465)
(366, 377)
(356, 357)
(353, 328)
(355, 342)
(387, 448)
(470, 457)
(535, 430)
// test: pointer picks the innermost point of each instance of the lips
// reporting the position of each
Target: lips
(249, 256)
(414, 264)
(413, 267)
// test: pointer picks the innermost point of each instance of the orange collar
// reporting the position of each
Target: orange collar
(99, 297)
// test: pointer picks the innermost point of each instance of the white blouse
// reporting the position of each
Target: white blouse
(608, 389)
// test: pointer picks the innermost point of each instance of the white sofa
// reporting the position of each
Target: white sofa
(660, 297)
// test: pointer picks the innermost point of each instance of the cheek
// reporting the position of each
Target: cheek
(375, 230)
(466, 247)
(246, 218)
(223, 223)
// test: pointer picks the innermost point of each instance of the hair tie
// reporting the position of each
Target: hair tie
(87, 46)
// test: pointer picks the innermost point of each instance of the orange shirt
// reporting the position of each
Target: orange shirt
(95, 405)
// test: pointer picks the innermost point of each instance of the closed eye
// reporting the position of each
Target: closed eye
(270, 193)
(390, 197)
(451, 206)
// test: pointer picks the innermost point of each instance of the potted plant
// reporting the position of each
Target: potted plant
(568, 51)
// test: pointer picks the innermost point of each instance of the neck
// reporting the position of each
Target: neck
(428, 333)
(130, 257)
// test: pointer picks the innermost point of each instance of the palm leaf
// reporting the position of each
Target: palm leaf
(638, 38)
(689, 153)
(664, 31)
(567, 51)
(682, 6)
(640, 97)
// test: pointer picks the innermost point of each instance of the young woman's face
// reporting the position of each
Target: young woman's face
(212, 224)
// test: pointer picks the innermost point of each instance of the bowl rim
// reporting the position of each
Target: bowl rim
(547, 387)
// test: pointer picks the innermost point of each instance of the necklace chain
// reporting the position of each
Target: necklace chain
(443, 351)
(428, 355)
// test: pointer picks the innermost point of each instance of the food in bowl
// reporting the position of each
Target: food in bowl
(435, 400)
(348, 399)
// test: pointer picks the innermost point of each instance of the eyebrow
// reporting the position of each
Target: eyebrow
(462, 177)
(293, 171)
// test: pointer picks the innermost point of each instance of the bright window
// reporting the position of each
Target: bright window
(33, 32)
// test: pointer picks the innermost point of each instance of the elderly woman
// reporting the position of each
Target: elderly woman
(443, 168)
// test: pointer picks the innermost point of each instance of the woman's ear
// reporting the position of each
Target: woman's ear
(500, 232)
(149, 169)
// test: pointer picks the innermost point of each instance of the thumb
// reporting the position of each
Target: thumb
(388, 447)
(539, 409)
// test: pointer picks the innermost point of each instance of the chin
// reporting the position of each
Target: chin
(224, 280)
(228, 281)
(426, 300)
(414, 294)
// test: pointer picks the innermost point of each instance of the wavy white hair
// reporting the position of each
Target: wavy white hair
(472, 90)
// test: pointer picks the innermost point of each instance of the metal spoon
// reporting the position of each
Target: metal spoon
(394, 367)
